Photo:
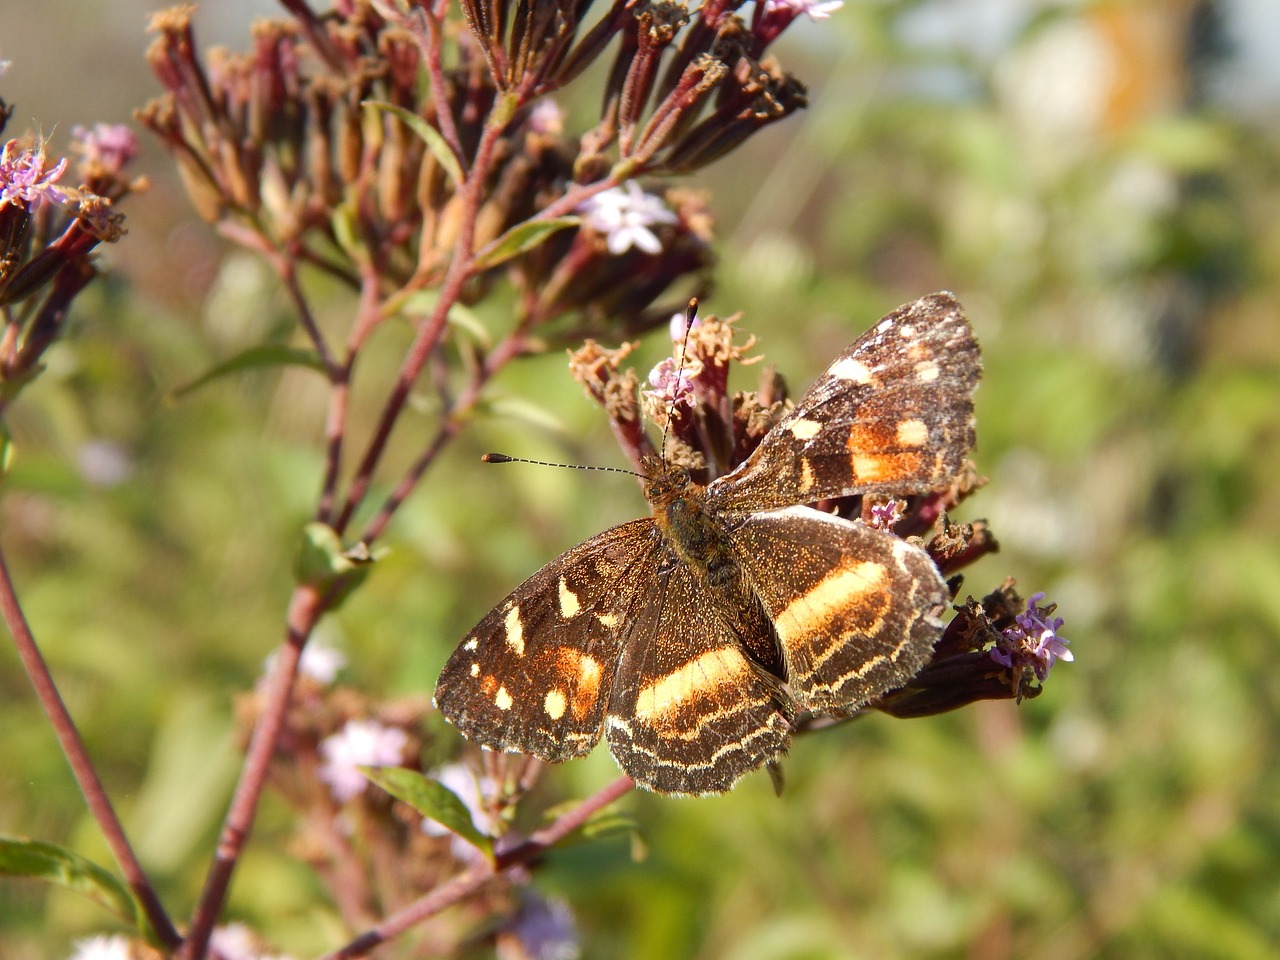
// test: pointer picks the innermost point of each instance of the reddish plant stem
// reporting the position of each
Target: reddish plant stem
(429, 333)
(466, 884)
(425, 28)
(368, 313)
(454, 417)
(77, 755)
(305, 608)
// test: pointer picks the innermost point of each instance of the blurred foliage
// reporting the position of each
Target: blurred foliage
(1118, 255)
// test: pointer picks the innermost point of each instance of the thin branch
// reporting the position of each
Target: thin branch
(507, 350)
(81, 765)
(429, 333)
(472, 881)
(305, 608)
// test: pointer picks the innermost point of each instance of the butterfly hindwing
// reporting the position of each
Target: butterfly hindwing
(855, 610)
(690, 711)
(534, 675)
(892, 414)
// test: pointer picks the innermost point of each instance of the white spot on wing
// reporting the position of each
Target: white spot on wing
(503, 699)
(515, 631)
(852, 370)
(570, 606)
(927, 371)
(554, 704)
(913, 433)
(803, 429)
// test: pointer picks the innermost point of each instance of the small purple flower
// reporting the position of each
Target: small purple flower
(543, 929)
(361, 743)
(1033, 641)
(671, 384)
(884, 516)
(111, 145)
(24, 179)
(624, 216)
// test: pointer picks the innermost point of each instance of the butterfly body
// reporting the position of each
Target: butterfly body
(691, 638)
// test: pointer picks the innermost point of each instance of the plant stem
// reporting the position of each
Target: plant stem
(73, 748)
(305, 608)
(429, 333)
(465, 884)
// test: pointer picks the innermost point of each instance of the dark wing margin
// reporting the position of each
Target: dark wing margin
(892, 414)
(534, 675)
(690, 713)
(868, 615)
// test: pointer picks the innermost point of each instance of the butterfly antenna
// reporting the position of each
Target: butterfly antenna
(503, 458)
(690, 314)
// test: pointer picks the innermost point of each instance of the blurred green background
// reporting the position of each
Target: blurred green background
(1099, 183)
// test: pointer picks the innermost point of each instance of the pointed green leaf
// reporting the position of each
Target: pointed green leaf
(53, 864)
(346, 232)
(323, 561)
(429, 135)
(6, 449)
(266, 355)
(520, 239)
(431, 798)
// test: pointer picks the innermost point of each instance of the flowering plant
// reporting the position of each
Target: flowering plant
(418, 157)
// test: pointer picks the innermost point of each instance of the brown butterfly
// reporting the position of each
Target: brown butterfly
(692, 637)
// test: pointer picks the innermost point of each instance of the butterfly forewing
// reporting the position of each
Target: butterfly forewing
(691, 712)
(855, 610)
(535, 674)
(892, 414)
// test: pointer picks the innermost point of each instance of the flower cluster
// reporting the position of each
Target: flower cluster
(48, 231)
(360, 140)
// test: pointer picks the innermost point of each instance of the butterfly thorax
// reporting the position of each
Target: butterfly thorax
(692, 528)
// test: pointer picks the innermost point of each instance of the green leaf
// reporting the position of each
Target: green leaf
(323, 561)
(53, 864)
(429, 135)
(6, 450)
(520, 239)
(432, 799)
(267, 355)
(346, 232)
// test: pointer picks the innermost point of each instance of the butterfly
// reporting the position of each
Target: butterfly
(691, 639)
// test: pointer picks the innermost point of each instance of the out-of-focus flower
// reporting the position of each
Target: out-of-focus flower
(25, 180)
(1033, 640)
(102, 947)
(236, 941)
(624, 215)
(815, 9)
(320, 661)
(542, 929)
(104, 463)
(547, 118)
(108, 145)
(361, 743)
